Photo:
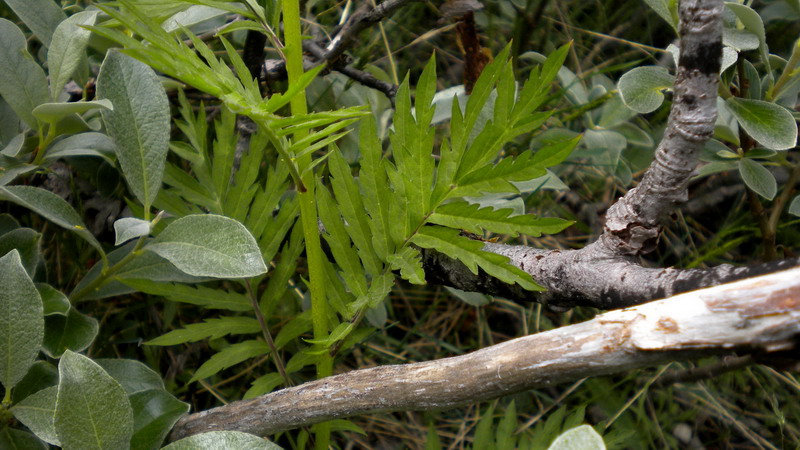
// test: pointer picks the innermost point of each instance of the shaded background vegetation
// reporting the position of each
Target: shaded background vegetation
(750, 407)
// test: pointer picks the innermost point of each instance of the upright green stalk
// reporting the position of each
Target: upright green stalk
(293, 48)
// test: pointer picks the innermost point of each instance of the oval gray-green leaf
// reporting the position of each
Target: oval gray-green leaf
(51, 207)
(214, 440)
(132, 375)
(753, 23)
(53, 112)
(23, 84)
(582, 437)
(53, 300)
(92, 410)
(794, 207)
(129, 228)
(21, 321)
(769, 124)
(210, 245)
(139, 123)
(641, 88)
(667, 10)
(41, 16)
(28, 244)
(12, 438)
(73, 331)
(84, 144)
(154, 414)
(37, 412)
(758, 178)
(740, 40)
(67, 50)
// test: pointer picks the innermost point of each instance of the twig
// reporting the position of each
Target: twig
(267, 335)
(359, 21)
(388, 89)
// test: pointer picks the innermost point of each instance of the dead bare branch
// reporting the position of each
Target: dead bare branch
(754, 316)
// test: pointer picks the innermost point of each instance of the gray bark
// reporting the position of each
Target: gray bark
(757, 316)
(606, 273)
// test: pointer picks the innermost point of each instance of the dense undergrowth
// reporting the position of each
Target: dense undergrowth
(576, 143)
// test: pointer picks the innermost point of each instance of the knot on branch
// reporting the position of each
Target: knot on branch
(625, 234)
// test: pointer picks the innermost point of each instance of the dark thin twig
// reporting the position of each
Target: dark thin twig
(365, 78)
(267, 335)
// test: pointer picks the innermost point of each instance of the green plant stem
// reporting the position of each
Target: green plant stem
(783, 199)
(262, 323)
(308, 209)
(44, 142)
(107, 273)
(767, 235)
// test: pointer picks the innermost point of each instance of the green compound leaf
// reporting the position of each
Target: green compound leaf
(375, 186)
(210, 245)
(199, 295)
(92, 410)
(473, 218)
(524, 167)
(209, 329)
(408, 262)
(139, 123)
(642, 87)
(230, 356)
(215, 440)
(771, 125)
(758, 178)
(23, 84)
(37, 412)
(21, 321)
(470, 252)
(51, 207)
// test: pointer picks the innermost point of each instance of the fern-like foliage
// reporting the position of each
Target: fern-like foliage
(198, 66)
(377, 222)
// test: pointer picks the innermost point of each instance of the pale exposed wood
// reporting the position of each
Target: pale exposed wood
(757, 315)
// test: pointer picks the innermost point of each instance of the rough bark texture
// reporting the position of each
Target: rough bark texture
(606, 273)
(585, 277)
(759, 316)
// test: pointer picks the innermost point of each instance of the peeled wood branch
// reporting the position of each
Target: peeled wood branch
(755, 316)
